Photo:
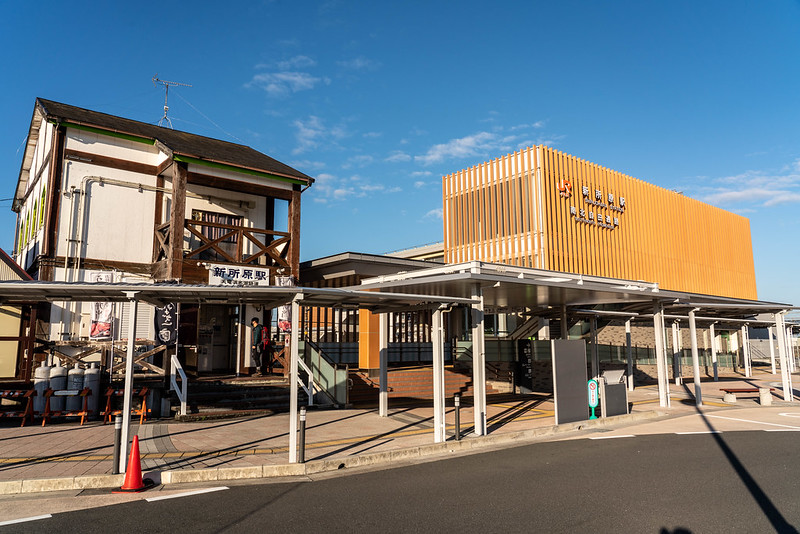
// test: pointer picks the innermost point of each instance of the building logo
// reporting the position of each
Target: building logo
(565, 188)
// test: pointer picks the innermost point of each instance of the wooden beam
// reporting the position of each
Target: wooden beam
(238, 186)
(113, 163)
(293, 257)
(179, 178)
(53, 201)
(158, 213)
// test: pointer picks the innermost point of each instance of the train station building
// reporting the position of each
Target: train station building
(539, 247)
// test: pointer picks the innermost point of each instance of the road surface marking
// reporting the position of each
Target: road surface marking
(614, 437)
(25, 519)
(755, 422)
(186, 494)
(782, 430)
(699, 432)
(790, 414)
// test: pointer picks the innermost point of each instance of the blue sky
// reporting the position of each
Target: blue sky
(378, 100)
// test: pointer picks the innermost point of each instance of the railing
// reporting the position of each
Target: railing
(276, 250)
(329, 378)
(309, 389)
(177, 369)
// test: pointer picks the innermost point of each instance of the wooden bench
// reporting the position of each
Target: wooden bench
(730, 393)
(20, 395)
(82, 413)
(141, 412)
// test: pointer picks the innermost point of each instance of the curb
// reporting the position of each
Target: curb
(38, 485)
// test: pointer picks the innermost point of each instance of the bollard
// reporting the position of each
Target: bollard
(117, 443)
(457, 402)
(301, 457)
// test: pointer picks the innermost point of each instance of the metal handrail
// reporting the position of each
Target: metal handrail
(182, 392)
(310, 388)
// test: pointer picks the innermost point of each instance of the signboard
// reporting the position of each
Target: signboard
(569, 379)
(602, 209)
(285, 312)
(237, 275)
(101, 311)
(594, 397)
(166, 323)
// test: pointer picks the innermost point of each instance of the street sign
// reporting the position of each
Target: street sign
(594, 398)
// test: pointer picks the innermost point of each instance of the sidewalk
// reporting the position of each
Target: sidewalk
(170, 451)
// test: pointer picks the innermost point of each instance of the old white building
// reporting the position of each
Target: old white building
(103, 197)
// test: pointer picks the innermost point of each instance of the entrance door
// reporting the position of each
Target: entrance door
(216, 339)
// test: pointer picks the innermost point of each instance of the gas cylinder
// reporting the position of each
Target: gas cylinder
(91, 380)
(58, 381)
(41, 381)
(75, 382)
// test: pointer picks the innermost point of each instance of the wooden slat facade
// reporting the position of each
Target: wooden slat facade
(541, 208)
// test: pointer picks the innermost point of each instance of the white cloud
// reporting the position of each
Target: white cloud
(421, 173)
(398, 156)
(434, 214)
(418, 185)
(359, 63)
(283, 83)
(297, 62)
(479, 144)
(537, 124)
(372, 135)
(308, 165)
(360, 161)
(312, 133)
(755, 188)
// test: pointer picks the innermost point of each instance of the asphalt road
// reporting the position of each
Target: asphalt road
(729, 482)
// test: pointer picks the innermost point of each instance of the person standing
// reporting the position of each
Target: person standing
(257, 349)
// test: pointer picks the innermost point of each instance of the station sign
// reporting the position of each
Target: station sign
(237, 275)
(596, 207)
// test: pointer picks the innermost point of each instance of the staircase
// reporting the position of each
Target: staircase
(409, 385)
(238, 397)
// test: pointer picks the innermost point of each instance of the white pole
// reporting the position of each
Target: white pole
(595, 354)
(771, 349)
(698, 392)
(658, 329)
(478, 363)
(790, 349)
(128, 394)
(293, 377)
(438, 379)
(629, 351)
(714, 352)
(383, 342)
(676, 355)
(785, 376)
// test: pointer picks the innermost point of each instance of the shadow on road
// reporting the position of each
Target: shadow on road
(772, 513)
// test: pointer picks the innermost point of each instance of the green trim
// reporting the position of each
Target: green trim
(110, 133)
(225, 166)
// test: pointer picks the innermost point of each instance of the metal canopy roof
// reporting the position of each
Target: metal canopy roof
(161, 294)
(514, 288)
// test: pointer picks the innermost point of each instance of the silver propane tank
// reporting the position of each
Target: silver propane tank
(58, 381)
(91, 380)
(41, 381)
(75, 382)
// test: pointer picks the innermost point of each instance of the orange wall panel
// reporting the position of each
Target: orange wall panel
(542, 208)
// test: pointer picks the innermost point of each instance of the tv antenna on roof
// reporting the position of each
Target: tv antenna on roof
(166, 85)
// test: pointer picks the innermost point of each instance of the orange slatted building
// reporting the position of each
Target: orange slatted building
(541, 208)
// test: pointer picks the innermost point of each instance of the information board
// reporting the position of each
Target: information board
(569, 380)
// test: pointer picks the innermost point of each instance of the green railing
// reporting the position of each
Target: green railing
(330, 378)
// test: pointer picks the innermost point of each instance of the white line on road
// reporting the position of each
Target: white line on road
(790, 414)
(699, 432)
(614, 437)
(186, 494)
(749, 421)
(25, 519)
(782, 430)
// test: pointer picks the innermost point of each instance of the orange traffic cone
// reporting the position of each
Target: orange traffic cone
(133, 474)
